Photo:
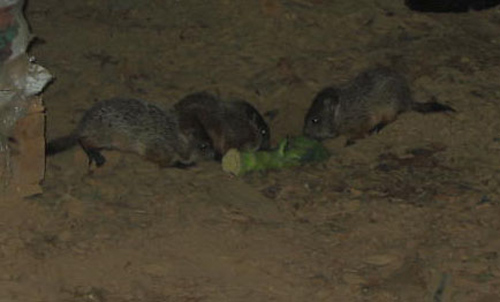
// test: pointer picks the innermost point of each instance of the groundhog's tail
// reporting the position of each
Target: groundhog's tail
(430, 107)
(60, 144)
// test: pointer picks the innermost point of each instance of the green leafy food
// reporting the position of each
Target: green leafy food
(290, 153)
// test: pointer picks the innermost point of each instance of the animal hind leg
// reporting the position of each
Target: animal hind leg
(353, 137)
(378, 127)
(93, 154)
(369, 127)
(358, 132)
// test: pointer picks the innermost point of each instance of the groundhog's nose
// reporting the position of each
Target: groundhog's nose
(311, 133)
(307, 131)
(211, 154)
(217, 156)
(265, 144)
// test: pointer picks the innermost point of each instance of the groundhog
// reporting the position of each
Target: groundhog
(364, 106)
(136, 126)
(230, 124)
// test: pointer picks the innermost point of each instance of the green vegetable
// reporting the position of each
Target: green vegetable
(291, 152)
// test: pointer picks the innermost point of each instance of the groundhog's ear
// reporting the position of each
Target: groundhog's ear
(333, 102)
(328, 97)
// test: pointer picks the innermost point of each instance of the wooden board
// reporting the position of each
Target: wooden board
(25, 163)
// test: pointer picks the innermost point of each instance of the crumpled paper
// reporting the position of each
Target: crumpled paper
(20, 76)
(20, 79)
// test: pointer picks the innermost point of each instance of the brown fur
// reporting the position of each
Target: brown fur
(131, 125)
(230, 124)
(365, 105)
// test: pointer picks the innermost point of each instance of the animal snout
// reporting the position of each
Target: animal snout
(317, 133)
(265, 143)
(209, 153)
(310, 131)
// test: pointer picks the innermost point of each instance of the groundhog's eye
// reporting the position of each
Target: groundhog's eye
(202, 146)
(263, 131)
(315, 120)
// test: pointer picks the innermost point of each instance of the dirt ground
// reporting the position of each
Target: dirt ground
(409, 214)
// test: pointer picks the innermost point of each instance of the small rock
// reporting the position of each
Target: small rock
(381, 260)
(353, 279)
